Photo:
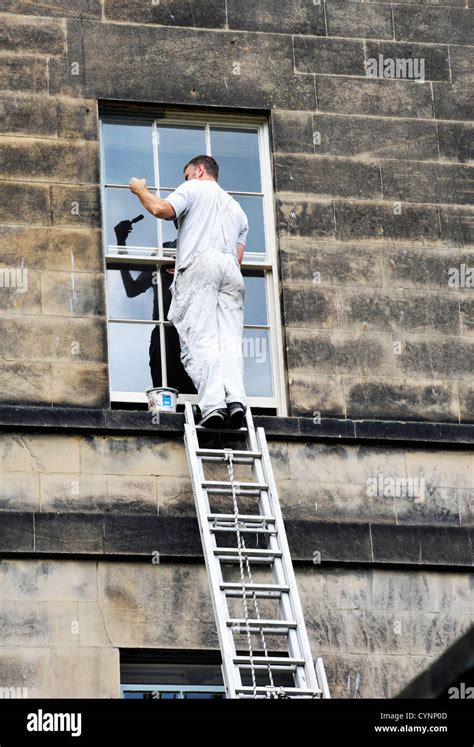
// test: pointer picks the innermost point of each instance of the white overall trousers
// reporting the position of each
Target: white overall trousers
(207, 309)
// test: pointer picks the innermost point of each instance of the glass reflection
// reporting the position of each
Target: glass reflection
(177, 145)
(253, 208)
(255, 297)
(128, 152)
(237, 154)
(122, 208)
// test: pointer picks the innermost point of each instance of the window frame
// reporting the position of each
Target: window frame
(269, 265)
(179, 689)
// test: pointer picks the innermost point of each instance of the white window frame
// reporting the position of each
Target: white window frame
(251, 260)
(179, 689)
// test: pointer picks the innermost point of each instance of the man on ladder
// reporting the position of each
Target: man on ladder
(208, 289)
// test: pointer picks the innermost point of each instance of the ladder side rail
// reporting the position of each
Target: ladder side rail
(311, 678)
(218, 597)
(304, 677)
(322, 679)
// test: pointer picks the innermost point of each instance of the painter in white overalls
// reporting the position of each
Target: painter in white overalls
(207, 306)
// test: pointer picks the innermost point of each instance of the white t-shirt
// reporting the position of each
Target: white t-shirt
(208, 217)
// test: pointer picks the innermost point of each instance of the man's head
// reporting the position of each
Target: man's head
(201, 167)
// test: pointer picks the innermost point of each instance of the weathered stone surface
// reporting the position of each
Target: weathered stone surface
(81, 534)
(60, 8)
(16, 532)
(54, 339)
(443, 469)
(366, 137)
(25, 383)
(466, 401)
(80, 385)
(457, 225)
(39, 36)
(75, 205)
(368, 21)
(394, 311)
(452, 100)
(316, 394)
(429, 24)
(417, 182)
(19, 491)
(362, 220)
(38, 453)
(51, 249)
(209, 68)
(48, 580)
(466, 507)
(98, 493)
(298, 17)
(309, 307)
(133, 456)
(328, 56)
(298, 216)
(467, 315)
(390, 98)
(328, 176)
(406, 399)
(292, 132)
(424, 268)
(435, 60)
(335, 352)
(175, 496)
(15, 111)
(168, 12)
(330, 263)
(25, 73)
(24, 203)
(443, 358)
(436, 506)
(72, 294)
(78, 119)
(455, 141)
(56, 161)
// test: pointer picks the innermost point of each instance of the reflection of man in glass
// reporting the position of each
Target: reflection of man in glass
(176, 375)
(208, 289)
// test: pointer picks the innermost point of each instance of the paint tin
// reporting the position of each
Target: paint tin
(162, 399)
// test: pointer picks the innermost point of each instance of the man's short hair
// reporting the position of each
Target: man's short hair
(210, 164)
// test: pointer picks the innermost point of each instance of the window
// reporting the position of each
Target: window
(164, 677)
(143, 345)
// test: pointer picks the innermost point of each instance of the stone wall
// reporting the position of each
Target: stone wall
(371, 176)
(376, 629)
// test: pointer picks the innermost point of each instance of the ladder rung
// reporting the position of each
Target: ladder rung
(238, 484)
(251, 553)
(242, 517)
(234, 621)
(221, 454)
(260, 590)
(243, 530)
(265, 691)
(285, 661)
(221, 430)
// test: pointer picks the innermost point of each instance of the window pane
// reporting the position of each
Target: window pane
(122, 205)
(128, 152)
(253, 208)
(168, 227)
(177, 145)
(132, 292)
(255, 298)
(176, 375)
(129, 357)
(237, 154)
(257, 360)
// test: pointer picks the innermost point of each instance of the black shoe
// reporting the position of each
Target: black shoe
(236, 415)
(214, 419)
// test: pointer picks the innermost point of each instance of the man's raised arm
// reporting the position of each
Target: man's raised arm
(154, 204)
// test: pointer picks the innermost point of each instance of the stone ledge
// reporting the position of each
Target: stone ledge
(85, 535)
(99, 421)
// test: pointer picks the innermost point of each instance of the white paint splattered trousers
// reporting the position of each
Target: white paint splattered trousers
(207, 310)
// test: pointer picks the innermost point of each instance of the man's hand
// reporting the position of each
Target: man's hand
(136, 185)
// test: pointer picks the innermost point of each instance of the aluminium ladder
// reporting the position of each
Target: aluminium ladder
(254, 674)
